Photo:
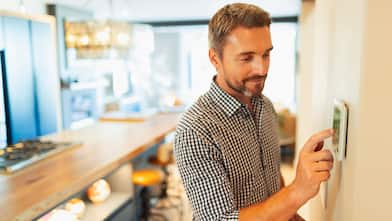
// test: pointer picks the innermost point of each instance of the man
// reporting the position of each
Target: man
(226, 144)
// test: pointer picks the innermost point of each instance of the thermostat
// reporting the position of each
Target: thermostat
(339, 125)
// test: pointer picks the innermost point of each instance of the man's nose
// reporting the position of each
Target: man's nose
(259, 66)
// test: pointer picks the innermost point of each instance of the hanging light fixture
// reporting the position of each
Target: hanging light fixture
(99, 38)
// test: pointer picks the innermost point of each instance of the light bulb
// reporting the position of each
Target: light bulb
(71, 38)
(84, 40)
(102, 37)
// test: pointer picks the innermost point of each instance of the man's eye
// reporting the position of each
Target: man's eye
(245, 59)
(266, 55)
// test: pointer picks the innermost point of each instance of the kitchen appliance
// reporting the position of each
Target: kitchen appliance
(21, 123)
(22, 154)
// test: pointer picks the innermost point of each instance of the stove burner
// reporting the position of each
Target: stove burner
(19, 155)
(26, 149)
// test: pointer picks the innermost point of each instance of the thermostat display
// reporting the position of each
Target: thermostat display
(339, 124)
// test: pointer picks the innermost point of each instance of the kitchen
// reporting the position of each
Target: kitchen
(119, 101)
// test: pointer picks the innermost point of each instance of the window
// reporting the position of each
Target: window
(182, 56)
(280, 85)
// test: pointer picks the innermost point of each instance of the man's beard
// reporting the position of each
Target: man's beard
(242, 88)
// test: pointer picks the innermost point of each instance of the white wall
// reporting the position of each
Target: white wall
(350, 51)
(304, 81)
(374, 181)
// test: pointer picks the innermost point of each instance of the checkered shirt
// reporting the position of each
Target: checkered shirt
(228, 157)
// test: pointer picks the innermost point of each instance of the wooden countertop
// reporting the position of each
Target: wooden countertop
(41, 186)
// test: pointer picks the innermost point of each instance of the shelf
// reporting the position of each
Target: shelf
(120, 197)
(105, 209)
(82, 123)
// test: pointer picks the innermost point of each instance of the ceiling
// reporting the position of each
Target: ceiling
(154, 10)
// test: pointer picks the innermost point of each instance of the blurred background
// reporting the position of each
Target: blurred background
(92, 59)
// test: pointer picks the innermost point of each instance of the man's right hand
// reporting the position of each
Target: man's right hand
(313, 167)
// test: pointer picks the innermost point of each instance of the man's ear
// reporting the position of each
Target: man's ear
(214, 58)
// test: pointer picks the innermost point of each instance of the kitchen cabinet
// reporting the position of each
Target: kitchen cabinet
(106, 147)
(19, 80)
(46, 77)
(30, 79)
(3, 140)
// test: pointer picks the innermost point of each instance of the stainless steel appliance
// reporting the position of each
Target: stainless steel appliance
(22, 154)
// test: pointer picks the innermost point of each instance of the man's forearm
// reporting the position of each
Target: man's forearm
(281, 206)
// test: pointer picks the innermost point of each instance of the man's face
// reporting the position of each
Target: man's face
(245, 60)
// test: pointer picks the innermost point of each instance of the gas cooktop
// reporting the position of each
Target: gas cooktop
(20, 155)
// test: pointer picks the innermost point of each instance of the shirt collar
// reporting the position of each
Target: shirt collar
(225, 101)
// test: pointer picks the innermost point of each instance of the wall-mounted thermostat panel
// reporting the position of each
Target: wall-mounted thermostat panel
(339, 124)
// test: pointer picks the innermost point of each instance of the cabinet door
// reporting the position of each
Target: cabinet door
(46, 77)
(3, 137)
(3, 129)
(19, 81)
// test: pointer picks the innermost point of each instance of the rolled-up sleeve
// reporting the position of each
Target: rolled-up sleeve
(203, 174)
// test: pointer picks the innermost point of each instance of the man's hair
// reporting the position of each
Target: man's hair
(232, 16)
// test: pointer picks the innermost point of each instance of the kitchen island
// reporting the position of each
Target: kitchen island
(34, 190)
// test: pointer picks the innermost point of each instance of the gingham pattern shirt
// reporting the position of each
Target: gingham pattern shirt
(228, 157)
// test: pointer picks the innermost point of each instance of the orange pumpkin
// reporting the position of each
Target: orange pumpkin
(99, 191)
(76, 206)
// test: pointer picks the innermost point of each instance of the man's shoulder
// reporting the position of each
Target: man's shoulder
(267, 102)
(198, 115)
